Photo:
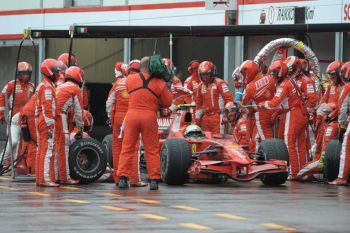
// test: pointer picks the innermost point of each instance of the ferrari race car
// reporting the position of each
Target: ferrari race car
(206, 156)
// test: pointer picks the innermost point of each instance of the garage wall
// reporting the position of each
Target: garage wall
(323, 45)
(253, 44)
(189, 49)
(145, 47)
(184, 51)
(96, 56)
(346, 49)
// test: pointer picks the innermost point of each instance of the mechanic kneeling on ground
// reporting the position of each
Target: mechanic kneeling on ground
(344, 134)
(147, 90)
(29, 134)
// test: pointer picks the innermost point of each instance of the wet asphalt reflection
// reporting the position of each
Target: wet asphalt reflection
(227, 207)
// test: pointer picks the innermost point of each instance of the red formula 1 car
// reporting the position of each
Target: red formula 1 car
(203, 156)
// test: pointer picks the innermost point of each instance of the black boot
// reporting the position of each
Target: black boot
(123, 182)
(153, 185)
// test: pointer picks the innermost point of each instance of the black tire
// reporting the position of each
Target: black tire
(107, 143)
(176, 157)
(332, 160)
(87, 160)
(274, 149)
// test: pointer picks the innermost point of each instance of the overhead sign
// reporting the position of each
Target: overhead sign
(221, 4)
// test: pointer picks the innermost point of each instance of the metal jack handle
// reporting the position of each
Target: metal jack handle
(171, 50)
(71, 33)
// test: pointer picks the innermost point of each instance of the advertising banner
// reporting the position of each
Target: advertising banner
(255, 12)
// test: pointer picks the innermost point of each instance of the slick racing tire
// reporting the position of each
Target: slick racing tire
(107, 143)
(87, 160)
(274, 149)
(332, 160)
(176, 157)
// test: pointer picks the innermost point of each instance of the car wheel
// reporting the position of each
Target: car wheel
(274, 149)
(332, 160)
(107, 143)
(87, 160)
(176, 157)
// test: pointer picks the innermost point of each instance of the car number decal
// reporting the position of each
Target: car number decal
(194, 148)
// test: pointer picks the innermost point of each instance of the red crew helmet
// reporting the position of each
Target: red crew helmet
(278, 69)
(293, 64)
(193, 66)
(249, 70)
(121, 69)
(64, 58)
(50, 68)
(24, 71)
(134, 66)
(207, 71)
(75, 74)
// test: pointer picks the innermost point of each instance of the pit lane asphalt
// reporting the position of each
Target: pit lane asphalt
(228, 207)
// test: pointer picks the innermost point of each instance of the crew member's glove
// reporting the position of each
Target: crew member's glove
(224, 120)
(109, 123)
(274, 115)
(342, 130)
(231, 116)
(173, 108)
(79, 134)
(165, 112)
(320, 166)
(50, 132)
(169, 85)
(261, 105)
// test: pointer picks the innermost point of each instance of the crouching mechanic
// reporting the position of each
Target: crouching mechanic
(344, 110)
(12, 100)
(116, 108)
(27, 123)
(68, 97)
(45, 122)
(326, 124)
(147, 90)
(212, 98)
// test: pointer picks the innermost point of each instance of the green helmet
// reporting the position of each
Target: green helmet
(156, 67)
